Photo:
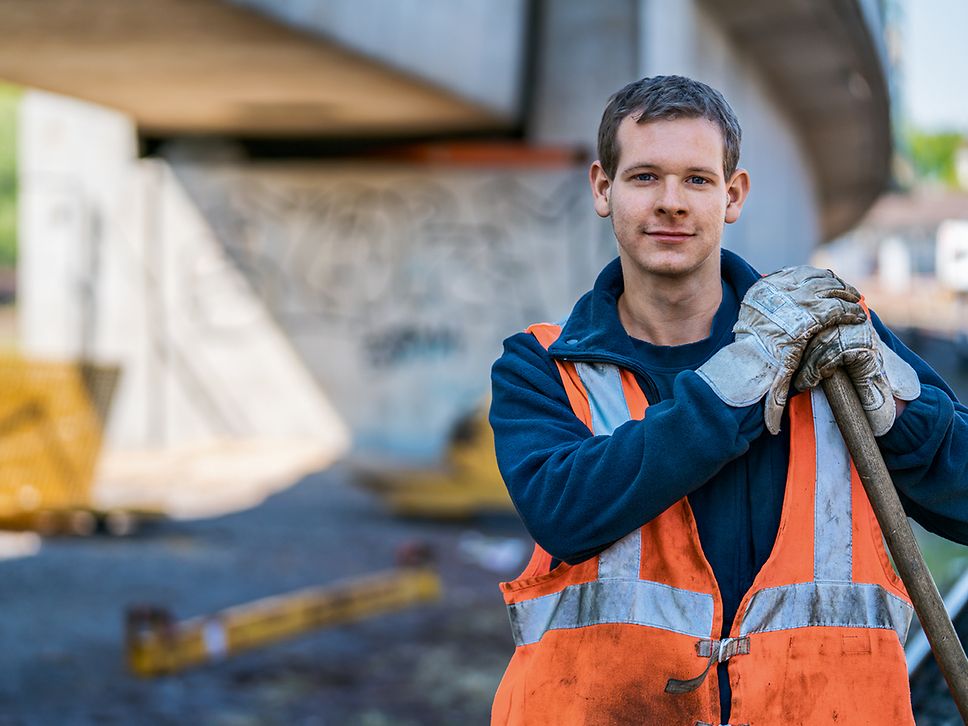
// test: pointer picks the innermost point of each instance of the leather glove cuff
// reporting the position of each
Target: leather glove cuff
(740, 373)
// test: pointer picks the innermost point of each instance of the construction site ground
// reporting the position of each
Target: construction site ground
(62, 660)
(63, 603)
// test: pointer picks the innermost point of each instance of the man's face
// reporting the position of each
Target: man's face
(669, 201)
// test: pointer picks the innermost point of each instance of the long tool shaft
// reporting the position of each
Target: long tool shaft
(873, 472)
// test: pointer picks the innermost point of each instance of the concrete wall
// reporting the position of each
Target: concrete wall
(118, 267)
(290, 299)
(396, 284)
(586, 52)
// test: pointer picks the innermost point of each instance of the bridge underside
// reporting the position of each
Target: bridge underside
(826, 64)
(205, 66)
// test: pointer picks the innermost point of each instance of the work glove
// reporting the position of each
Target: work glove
(778, 316)
(879, 375)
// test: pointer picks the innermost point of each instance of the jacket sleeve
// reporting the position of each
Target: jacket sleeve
(926, 450)
(577, 493)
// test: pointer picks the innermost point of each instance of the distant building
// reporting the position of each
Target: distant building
(915, 218)
(910, 256)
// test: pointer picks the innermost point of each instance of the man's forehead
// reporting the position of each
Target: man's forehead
(695, 142)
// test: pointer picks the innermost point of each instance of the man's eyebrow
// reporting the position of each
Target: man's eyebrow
(642, 165)
(702, 170)
(649, 165)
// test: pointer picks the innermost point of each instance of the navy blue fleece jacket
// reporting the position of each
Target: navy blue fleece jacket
(578, 493)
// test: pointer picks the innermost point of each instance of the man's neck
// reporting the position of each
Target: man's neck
(670, 310)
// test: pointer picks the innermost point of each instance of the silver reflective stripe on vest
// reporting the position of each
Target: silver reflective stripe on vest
(832, 523)
(623, 559)
(831, 604)
(606, 399)
(635, 602)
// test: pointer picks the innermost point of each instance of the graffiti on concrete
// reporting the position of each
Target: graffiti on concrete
(409, 259)
(395, 285)
(394, 347)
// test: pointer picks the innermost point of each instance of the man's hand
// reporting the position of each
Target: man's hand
(778, 316)
(878, 373)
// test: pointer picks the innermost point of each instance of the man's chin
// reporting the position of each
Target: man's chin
(672, 265)
(670, 268)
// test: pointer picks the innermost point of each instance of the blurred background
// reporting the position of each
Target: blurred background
(257, 257)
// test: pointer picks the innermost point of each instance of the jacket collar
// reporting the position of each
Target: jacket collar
(593, 330)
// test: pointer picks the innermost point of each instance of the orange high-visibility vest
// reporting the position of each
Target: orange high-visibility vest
(631, 636)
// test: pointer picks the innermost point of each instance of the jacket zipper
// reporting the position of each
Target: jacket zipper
(652, 392)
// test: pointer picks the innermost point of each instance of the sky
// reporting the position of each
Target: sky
(934, 46)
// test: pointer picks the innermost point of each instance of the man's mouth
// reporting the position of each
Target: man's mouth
(669, 235)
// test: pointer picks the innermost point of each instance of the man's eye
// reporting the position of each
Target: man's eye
(644, 176)
(698, 180)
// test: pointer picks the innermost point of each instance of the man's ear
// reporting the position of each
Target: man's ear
(737, 190)
(601, 188)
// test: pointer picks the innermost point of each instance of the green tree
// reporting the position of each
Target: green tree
(933, 155)
(9, 97)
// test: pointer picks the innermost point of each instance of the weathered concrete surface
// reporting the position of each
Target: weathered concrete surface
(395, 284)
(116, 266)
(62, 660)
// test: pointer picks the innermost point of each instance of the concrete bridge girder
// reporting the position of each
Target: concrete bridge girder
(207, 66)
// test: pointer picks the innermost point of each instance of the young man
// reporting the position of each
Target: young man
(705, 554)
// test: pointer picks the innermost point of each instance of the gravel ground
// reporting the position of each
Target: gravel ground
(62, 660)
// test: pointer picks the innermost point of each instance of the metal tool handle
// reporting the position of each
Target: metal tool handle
(928, 604)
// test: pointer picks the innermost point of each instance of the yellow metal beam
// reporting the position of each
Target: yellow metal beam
(157, 645)
(52, 417)
(469, 482)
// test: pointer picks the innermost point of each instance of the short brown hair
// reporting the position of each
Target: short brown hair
(668, 97)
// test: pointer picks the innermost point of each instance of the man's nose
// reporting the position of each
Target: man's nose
(671, 201)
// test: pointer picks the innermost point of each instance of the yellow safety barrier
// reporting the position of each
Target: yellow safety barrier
(157, 645)
(52, 417)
